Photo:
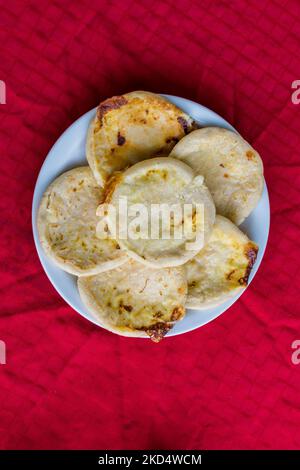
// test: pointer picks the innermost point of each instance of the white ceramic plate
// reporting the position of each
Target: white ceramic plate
(69, 152)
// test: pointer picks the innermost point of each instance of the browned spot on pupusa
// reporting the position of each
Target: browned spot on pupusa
(181, 290)
(122, 307)
(111, 103)
(121, 139)
(128, 308)
(158, 331)
(177, 313)
(250, 155)
(226, 175)
(158, 314)
(229, 275)
(251, 251)
(172, 139)
(183, 123)
(110, 187)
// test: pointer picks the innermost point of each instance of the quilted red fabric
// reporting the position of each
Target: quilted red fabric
(67, 384)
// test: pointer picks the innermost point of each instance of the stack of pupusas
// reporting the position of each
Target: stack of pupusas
(142, 148)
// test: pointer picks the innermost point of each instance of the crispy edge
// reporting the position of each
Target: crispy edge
(110, 187)
(109, 104)
(42, 222)
(250, 251)
(158, 331)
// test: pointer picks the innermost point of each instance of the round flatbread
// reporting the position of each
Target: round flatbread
(222, 267)
(67, 225)
(232, 169)
(135, 300)
(170, 212)
(130, 128)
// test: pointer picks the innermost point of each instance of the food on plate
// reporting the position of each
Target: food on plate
(232, 169)
(178, 230)
(130, 128)
(138, 226)
(136, 300)
(221, 269)
(67, 225)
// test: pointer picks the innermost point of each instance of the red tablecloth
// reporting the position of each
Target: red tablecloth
(68, 384)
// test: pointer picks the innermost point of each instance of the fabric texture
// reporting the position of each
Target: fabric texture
(70, 385)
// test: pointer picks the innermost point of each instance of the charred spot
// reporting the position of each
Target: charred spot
(128, 308)
(229, 275)
(177, 313)
(221, 164)
(251, 251)
(226, 175)
(158, 314)
(184, 124)
(122, 307)
(121, 139)
(108, 105)
(158, 331)
(170, 140)
(250, 155)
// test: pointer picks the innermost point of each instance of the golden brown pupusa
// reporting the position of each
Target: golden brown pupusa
(232, 169)
(222, 268)
(130, 128)
(157, 182)
(135, 300)
(67, 225)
